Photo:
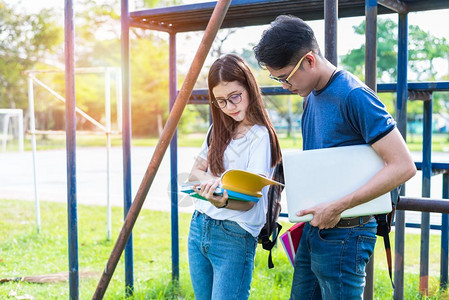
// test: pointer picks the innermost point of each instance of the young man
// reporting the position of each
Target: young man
(339, 110)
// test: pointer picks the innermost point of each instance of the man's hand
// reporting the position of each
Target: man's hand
(324, 215)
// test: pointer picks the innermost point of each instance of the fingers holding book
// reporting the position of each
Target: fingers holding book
(208, 190)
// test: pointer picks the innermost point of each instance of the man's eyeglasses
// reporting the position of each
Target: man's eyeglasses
(285, 81)
(234, 99)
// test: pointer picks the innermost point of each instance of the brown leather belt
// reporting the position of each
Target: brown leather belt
(352, 222)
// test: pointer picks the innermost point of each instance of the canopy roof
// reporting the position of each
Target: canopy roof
(194, 17)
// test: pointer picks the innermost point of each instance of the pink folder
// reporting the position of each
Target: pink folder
(290, 240)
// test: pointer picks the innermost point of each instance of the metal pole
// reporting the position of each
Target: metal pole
(107, 113)
(401, 118)
(59, 97)
(425, 216)
(70, 105)
(423, 205)
(444, 236)
(5, 131)
(174, 163)
(118, 91)
(167, 134)
(20, 116)
(126, 138)
(330, 30)
(33, 150)
(371, 44)
(370, 80)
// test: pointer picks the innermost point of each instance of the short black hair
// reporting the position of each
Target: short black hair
(283, 44)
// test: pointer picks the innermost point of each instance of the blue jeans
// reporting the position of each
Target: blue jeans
(221, 258)
(330, 263)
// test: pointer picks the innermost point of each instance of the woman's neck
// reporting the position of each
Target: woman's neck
(241, 129)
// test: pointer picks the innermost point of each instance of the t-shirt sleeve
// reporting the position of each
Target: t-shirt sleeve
(260, 157)
(368, 115)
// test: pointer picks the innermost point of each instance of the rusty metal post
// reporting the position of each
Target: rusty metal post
(181, 100)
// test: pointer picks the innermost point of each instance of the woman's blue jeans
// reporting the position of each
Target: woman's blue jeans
(221, 258)
(330, 263)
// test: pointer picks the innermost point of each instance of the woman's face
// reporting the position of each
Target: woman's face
(232, 98)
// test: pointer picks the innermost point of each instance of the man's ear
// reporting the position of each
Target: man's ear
(310, 60)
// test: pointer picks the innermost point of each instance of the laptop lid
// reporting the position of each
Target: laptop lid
(319, 176)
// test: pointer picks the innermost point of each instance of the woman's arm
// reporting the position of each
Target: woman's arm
(199, 171)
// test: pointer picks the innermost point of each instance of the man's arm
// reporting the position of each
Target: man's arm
(399, 167)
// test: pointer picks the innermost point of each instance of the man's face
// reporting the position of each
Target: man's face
(296, 78)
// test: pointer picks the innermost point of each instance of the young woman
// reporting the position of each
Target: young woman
(223, 232)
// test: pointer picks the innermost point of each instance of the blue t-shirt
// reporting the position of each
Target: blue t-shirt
(345, 112)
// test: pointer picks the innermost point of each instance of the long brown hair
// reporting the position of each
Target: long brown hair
(231, 68)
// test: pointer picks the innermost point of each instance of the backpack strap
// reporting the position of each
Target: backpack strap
(209, 135)
(388, 254)
(269, 245)
(395, 197)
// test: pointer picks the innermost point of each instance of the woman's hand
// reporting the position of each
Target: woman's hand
(207, 190)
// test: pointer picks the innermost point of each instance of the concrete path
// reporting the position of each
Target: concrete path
(16, 177)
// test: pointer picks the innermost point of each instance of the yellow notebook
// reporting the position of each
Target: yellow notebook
(245, 182)
(240, 185)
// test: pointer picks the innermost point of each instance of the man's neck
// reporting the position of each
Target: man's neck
(327, 70)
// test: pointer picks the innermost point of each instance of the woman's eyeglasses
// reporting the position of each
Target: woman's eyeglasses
(234, 99)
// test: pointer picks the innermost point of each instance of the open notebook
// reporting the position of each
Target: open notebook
(239, 184)
(324, 175)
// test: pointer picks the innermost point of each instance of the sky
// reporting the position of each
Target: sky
(436, 22)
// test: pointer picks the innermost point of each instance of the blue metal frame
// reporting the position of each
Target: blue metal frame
(194, 17)
(402, 88)
(370, 81)
(70, 105)
(444, 236)
(126, 142)
(127, 19)
(174, 163)
(401, 118)
(330, 30)
(425, 218)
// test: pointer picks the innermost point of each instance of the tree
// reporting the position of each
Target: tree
(423, 50)
(25, 39)
(423, 47)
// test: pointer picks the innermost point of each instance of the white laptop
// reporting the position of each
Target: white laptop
(318, 176)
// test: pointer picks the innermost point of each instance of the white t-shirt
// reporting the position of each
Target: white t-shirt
(251, 153)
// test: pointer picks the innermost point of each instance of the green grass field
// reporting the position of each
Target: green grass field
(440, 142)
(24, 252)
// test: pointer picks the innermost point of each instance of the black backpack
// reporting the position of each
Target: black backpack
(271, 228)
(384, 222)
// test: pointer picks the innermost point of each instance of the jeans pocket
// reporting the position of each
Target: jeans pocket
(332, 235)
(365, 248)
(233, 229)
